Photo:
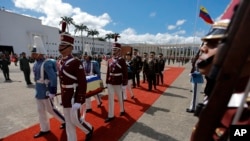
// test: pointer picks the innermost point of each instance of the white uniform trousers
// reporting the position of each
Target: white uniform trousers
(129, 89)
(196, 90)
(112, 89)
(44, 106)
(88, 101)
(73, 120)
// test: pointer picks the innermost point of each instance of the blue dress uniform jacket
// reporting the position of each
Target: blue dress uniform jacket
(95, 70)
(196, 77)
(75, 68)
(49, 74)
(117, 72)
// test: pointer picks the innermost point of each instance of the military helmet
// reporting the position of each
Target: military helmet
(218, 30)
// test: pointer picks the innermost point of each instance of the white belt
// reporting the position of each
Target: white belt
(115, 74)
(236, 100)
(42, 81)
(69, 86)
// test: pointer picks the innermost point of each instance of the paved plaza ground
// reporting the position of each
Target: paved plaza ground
(165, 120)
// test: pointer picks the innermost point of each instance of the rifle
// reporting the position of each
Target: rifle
(228, 63)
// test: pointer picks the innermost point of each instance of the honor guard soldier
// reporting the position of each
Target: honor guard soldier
(137, 65)
(116, 80)
(91, 67)
(73, 88)
(208, 52)
(46, 87)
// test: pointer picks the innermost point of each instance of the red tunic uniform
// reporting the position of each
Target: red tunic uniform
(72, 72)
(117, 72)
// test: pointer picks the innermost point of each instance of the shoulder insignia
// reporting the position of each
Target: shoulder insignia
(80, 67)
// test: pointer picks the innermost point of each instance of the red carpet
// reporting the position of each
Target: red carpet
(106, 131)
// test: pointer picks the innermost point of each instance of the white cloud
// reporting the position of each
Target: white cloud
(177, 25)
(53, 10)
(153, 14)
(171, 27)
(180, 22)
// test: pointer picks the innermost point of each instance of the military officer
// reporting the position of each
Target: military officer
(137, 65)
(144, 60)
(46, 87)
(151, 69)
(73, 88)
(116, 80)
(161, 67)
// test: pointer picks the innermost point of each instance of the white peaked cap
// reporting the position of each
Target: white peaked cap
(87, 50)
(38, 46)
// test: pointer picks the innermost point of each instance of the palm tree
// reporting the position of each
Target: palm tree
(109, 36)
(81, 28)
(92, 33)
(101, 39)
(68, 21)
(115, 36)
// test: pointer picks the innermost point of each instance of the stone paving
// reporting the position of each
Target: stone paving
(165, 120)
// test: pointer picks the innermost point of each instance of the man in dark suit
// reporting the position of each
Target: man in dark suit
(150, 69)
(25, 67)
(144, 61)
(137, 65)
(161, 66)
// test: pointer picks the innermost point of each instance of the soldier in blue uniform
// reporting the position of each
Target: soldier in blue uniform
(46, 87)
(197, 81)
(91, 67)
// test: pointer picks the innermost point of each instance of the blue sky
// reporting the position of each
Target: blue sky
(137, 21)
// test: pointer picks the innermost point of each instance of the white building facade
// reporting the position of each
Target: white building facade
(17, 32)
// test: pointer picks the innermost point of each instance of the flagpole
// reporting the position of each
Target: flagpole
(196, 17)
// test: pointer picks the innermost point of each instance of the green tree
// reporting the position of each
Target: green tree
(68, 21)
(109, 36)
(92, 33)
(116, 36)
(81, 28)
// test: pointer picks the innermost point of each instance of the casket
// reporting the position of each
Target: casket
(94, 85)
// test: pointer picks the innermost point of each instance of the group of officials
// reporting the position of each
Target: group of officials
(123, 73)
(151, 66)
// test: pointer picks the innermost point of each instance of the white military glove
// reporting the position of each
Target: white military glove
(51, 96)
(124, 87)
(76, 106)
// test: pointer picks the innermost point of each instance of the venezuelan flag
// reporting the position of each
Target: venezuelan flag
(205, 16)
